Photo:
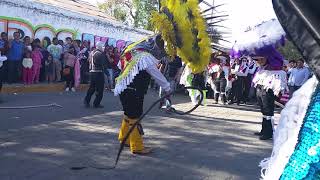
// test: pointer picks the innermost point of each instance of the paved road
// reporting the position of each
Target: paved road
(214, 142)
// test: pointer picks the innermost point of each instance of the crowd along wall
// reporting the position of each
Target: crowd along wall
(39, 20)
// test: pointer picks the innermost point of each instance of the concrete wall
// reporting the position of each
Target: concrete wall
(38, 20)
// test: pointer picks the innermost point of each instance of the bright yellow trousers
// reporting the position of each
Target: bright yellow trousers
(135, 139)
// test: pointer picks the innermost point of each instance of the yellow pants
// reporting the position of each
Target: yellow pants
(135, 139)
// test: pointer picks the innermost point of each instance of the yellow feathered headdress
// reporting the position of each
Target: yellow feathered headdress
(184, 31)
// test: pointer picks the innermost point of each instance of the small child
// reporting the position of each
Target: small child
(49, 68)
(27, 68)
(36, 56)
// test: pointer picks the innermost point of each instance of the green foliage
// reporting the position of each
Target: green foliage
(138, 11)
(120, 14)
(289, 51)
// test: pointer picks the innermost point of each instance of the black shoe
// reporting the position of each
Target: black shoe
(230, 102)
(224, 99)
(258, 133)
(98, 106)
(263, 127)
(264, 137)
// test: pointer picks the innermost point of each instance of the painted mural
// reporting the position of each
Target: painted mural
(11, 25)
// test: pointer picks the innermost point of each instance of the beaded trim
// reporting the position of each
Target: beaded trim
(304, 162)
(287, 131)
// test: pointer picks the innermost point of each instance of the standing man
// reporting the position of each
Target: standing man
(172, 71)
(4, 47)
(298, 76)
(250, 94)
(55, 50)
(97, 65)
(15, 55)
(219, 74)
(240, 71)
(68, 44)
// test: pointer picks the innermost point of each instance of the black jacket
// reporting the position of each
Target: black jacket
(98, 61)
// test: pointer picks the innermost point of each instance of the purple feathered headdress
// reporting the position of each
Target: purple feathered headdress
(262, 40)
(274, 58)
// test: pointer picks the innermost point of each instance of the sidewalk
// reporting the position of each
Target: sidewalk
(41, 87)
(214, 142)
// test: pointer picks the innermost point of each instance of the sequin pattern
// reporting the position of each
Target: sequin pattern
(304, 162)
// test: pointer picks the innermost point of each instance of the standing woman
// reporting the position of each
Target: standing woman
(68, 70)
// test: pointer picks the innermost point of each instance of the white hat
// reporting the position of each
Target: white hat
(100, 45)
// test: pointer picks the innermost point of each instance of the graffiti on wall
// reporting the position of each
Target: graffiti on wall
(11, 25)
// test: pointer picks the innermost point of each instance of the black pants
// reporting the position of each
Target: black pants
(1, 76)
(240, 89)
(96, 85)
(43, 72)
(247, 86)
(84, 71)
(70, 78)
(14, 71)
(265, 100)
(198, 81)
(132, 103)
(233, 93)
(221, 85)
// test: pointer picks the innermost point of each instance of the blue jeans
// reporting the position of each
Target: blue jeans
(109, 74)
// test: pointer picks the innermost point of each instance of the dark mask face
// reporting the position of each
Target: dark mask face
(158, 48)
(300, 20)
(155, 46)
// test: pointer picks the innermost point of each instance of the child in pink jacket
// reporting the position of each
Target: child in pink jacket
(36, 59)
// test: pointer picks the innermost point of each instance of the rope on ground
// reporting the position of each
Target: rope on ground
(139, 120)
(30, 107)
(150, 108)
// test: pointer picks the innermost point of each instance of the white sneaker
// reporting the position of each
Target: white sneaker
(73, 89)
(67, 90)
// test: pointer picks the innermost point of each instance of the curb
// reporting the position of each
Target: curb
(56, 87)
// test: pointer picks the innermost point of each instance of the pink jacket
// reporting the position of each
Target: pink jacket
(36, 57)
(77, 72)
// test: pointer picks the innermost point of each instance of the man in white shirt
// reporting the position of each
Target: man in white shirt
(250, 94)
(298, 76)
(240, 71)
(56, 50)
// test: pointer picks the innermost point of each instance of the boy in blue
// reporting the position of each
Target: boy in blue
(16, 49)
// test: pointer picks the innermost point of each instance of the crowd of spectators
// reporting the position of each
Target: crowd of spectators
(31, 61)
